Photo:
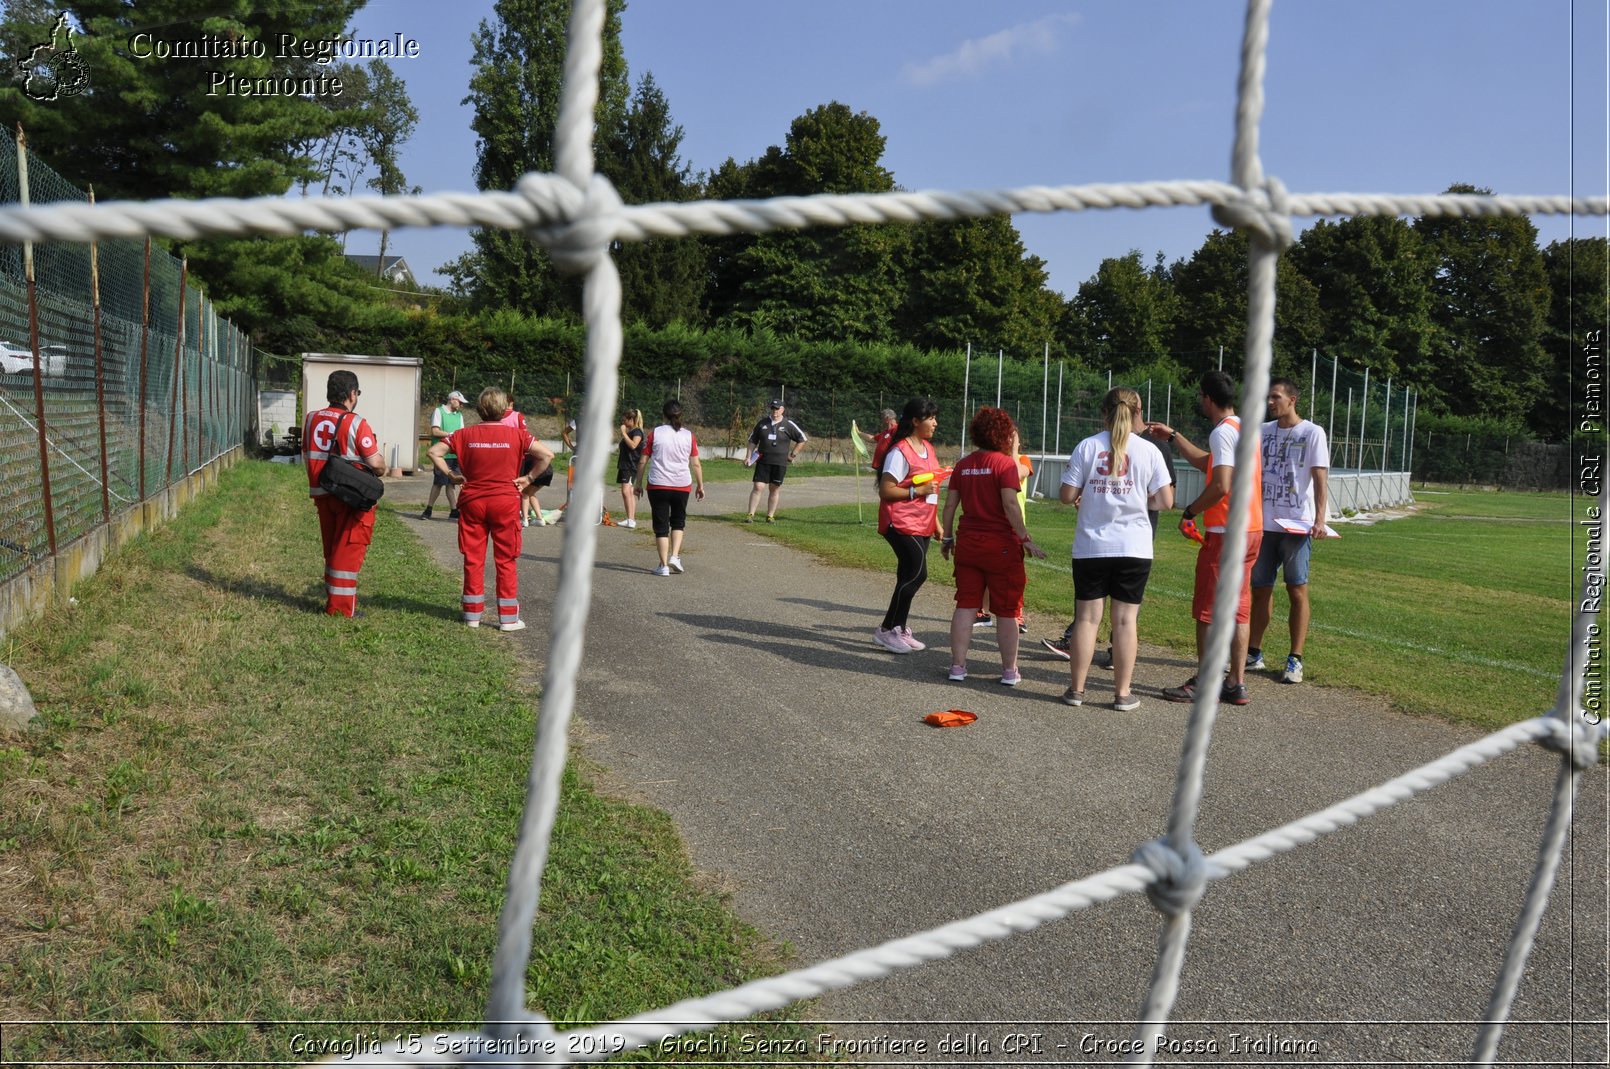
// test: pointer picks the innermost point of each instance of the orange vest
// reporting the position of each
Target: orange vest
(1219, 515)
(912, 517)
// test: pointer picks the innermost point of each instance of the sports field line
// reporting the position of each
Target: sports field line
(1366, 636)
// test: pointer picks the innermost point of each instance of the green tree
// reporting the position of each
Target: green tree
(1578, 273)
(1211, 310)
(1490, 300)
(1123, 314)
(971, 280)
(515, 86)
(1372, 276)
(839, 284)
(388, 121)
(662, 279)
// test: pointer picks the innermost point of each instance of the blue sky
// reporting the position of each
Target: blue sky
(1380, 96)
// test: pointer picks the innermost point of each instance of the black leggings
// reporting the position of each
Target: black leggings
(670, 508)
(911, 571)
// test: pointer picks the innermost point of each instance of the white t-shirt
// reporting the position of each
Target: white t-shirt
(1112, 507)
(1221, 453)
(1290, 455)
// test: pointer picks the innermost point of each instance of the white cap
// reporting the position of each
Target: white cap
(456, 396)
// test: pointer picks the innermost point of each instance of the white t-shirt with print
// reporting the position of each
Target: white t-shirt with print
(1290, 455)
(1112, 506)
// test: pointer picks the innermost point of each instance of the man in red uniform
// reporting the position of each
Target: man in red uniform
(489, 458)
(345, 530)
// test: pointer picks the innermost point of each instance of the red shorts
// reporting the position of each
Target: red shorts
(1207, 577)
(994, 564)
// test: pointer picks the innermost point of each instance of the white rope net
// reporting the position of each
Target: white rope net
(575, 214)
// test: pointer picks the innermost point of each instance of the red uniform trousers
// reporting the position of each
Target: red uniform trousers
(346, 533)
(499, 518)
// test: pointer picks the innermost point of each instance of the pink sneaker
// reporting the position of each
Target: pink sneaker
(890, 640)
(909, 639)
(1011, 677)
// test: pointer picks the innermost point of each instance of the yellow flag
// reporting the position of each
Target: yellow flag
(855, 439)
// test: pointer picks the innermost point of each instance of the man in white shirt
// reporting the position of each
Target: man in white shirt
(1296, 467)
(443, 422)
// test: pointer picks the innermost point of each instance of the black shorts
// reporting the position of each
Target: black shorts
(770, 473)
(624, 472)
(438, 479)
(1120, 578)
(545, 479)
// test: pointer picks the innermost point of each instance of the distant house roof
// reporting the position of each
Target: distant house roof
(396, 268)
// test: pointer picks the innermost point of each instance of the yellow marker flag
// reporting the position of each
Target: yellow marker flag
(855, 439)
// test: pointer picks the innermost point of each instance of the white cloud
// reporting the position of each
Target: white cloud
(972, 58)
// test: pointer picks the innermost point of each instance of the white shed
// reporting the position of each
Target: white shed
(390, 400)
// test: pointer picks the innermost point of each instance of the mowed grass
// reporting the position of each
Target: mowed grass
(236, 809)
(1460, 610)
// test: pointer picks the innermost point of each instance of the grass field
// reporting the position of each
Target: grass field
(237, 809)
(1461, 610)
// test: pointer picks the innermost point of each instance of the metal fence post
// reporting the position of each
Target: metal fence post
(178, 367)
(100, 371)
(33, 342)
(145, 339)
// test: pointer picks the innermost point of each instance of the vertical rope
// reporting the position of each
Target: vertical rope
(1246, 172)
(507, 1014)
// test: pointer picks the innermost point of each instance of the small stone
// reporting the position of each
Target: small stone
(16, 704)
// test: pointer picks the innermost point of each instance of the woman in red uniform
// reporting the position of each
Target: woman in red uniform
(990, 544)
(489, 456)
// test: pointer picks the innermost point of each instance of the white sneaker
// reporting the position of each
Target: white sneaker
(518, 625)
(629, 523)
(662, 570)
(525, 521)
(890, 640)
(676, 565)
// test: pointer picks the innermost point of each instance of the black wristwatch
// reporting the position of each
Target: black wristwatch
(1171, 436)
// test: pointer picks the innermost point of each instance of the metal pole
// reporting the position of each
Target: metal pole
(1060, 367)
(1414, 422)
(1386, 425)
(1347, 434)
(33, 343)
(1000, 366)
(1313, 385)
(1221, 358)
(1408, 431)
(1045, 401)
(967, 375)
(1148, 398)
(201, 384)
(178, 352)
(1168, 406)
(100, 372)
(1363, 418)
(145, 339)
(1330, 424)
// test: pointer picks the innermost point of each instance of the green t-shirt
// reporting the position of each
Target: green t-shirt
(449, 421)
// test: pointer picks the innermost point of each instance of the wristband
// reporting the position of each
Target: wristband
(911, 493)
(1172, 435)
(1189, 515)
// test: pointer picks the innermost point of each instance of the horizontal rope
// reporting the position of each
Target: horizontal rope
(544, 200)
(873, 963)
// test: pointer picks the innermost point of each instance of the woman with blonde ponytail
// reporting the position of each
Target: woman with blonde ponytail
(1113, 477)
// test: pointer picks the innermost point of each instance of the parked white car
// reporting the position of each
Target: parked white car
(19, 359)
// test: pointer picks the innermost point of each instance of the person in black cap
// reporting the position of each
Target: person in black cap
(776, 441)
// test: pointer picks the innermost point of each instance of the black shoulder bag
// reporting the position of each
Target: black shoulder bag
(353, 485)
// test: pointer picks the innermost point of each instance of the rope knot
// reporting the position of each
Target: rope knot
(1569, 738)
(1181, 877)
(592, 214)
(1264, 210)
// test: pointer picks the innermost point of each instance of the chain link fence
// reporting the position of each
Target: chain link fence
(117, 377)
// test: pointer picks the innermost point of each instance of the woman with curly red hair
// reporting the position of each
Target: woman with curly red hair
(989, 545)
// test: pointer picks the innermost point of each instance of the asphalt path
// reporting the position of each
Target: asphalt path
(747, 699)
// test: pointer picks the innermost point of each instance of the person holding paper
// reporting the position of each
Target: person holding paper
(1296, 467)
